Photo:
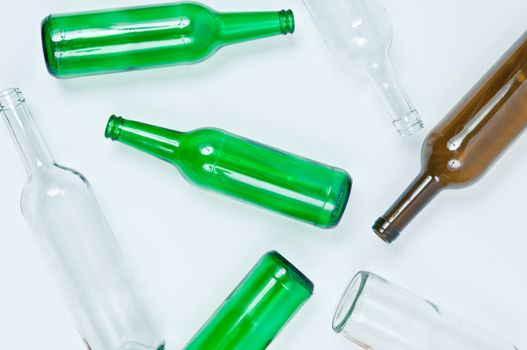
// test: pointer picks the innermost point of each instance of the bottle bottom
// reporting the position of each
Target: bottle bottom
(339, 200)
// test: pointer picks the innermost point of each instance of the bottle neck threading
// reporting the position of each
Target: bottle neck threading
(29, 142)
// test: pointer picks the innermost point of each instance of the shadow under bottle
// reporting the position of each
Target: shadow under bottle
(466, 142)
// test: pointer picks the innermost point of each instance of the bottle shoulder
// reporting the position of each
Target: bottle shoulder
(199, 26)
(200, 152)
(455, 164)
(54, 182)
(207, 133)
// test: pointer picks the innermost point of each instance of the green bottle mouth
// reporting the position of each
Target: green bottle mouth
(113, 127)
(287, 21)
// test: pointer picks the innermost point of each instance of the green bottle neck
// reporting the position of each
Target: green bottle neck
(159, 142)
(238, 27)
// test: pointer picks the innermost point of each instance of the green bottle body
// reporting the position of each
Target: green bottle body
(229, 164)
(257, 310)
(118, 40)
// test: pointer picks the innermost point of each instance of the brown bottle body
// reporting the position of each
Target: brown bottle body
(459, 150)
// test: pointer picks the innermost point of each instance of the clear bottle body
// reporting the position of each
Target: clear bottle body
(379, 315)
(77, 244)
(360, 32)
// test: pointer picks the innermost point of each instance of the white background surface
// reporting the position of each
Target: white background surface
(189, 248)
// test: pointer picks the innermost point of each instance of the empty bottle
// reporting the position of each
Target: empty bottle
(214, 159)
(378, 315)
(80, 249)
(360, 32)
(459, 150)
(256, 311)
(118, 40)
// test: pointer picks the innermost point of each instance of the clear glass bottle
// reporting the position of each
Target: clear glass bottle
(378, 315)
(77, 243)
(360, 32)
(115, 40)
(217, 160)
(467, 142)
(256, 311)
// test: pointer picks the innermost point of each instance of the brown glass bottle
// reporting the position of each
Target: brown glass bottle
(459, 150)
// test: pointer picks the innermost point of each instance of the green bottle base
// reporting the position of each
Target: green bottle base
(51, 63)
(294, 273)
(344, 184)
(258, 309)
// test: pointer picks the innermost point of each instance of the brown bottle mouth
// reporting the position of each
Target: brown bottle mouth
(384, 230)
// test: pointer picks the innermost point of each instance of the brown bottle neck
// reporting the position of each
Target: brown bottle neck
(424, 188)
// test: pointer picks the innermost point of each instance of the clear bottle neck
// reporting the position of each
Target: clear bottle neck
(384, 78)
(29, 142)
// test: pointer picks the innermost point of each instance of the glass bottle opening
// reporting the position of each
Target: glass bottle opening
(349, 301)
(287, 22)
(113, 127)
(382, 228)
(10, 98)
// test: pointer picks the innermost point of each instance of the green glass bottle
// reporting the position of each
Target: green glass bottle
(214, 159)
(117, 40)
(258, 309)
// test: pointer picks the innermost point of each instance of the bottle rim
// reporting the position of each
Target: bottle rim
(349, 301)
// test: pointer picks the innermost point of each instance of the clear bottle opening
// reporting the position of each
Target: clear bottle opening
(10, 98)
